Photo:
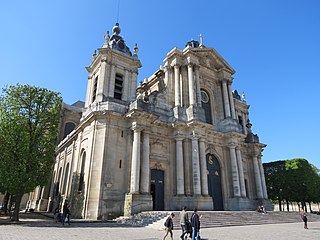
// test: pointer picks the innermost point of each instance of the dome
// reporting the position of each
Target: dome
(193, 43)
(117, 42)
(116, 29)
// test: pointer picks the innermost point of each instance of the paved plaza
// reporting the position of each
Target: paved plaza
(47, 229)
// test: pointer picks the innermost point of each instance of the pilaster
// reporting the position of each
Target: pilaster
(145, 167)
(101, 81)
(180, 166)
(241, 175)
(126, 86)
(197, 80)
(196, 166)
(112, 81)
(134, 75)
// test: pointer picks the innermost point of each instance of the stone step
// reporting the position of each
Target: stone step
(210, 219)
(213, 219)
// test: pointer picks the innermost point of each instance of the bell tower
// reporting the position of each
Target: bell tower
(113, 73)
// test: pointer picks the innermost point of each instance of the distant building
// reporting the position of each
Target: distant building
(181, 138)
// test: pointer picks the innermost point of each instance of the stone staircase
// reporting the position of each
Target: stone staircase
(211, 219)
(144, 218)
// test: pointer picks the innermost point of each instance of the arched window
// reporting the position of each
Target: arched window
(68, 128)
(58, 182)
(206, 105)
(81, 177)
(65, 180)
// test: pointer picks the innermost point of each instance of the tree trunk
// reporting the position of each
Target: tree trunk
(310, 208)
(15, 216)
(10, 202)
(287, 201)
(5, 202)
(280, 207)
(304, 206)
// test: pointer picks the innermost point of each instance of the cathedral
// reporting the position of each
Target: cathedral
(182, 137)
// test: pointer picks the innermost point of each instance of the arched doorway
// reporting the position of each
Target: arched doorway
(157, 189)
(214, 182)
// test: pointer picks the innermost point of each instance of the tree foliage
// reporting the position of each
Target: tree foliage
(29, 119)
(292, 180)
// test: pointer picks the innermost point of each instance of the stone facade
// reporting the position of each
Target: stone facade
(181, 138)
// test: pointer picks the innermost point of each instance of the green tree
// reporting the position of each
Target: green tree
(275, 176)
(292, 180)
(29, 119)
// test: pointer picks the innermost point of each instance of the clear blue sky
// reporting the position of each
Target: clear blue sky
(273, 45)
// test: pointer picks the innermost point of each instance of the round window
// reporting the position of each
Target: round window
(204, 97)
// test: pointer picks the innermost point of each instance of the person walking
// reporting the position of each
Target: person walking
(304, 218)
(169, 226)
(66, 213)
(195, 224)
(184, 221)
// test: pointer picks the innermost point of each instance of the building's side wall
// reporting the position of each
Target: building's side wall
(115, 172)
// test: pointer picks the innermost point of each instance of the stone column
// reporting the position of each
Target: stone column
(263, 180)
(241, 175)
(257, 177)
(184, 86)
(145, 168)
(180, 166)
(203, 164)
(177, 97)
(135, 164)
(226, 98)
(187, 167)
(244, 121)
(112, 81)
(196, 167)
(167, 83)
(166, 74)
(235, 174)
(233, 111)
(198, 95)
(191, 85)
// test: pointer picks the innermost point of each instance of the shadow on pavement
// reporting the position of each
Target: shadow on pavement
(39, 220)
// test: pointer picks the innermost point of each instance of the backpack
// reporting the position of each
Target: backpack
(166, 223)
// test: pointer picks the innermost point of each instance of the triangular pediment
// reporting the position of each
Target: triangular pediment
(210, 58)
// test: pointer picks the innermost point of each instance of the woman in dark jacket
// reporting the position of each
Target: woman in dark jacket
(195, 224)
